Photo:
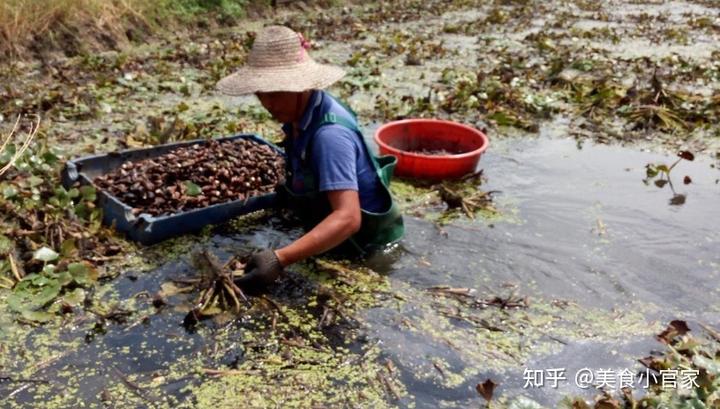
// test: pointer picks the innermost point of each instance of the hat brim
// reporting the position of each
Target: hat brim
(310, 75)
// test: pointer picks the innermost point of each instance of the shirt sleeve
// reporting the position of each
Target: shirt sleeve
(334, 157)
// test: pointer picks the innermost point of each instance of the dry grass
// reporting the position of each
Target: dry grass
(23, 22)
(29, 27)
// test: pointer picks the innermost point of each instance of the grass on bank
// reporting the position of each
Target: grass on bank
(30, 27)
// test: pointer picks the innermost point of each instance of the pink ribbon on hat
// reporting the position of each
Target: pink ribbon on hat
(304, 46)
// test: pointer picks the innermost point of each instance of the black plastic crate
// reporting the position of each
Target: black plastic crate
(148, 229)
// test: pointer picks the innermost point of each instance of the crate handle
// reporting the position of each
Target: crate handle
(71, 171)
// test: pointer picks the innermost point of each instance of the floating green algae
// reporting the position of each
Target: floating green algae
(295, 357)
(427, 200)
(309, 378)
(450, 339)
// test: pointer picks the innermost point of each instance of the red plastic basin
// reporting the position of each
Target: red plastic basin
(406, 138)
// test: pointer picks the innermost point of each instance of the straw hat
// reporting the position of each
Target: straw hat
(279, 61)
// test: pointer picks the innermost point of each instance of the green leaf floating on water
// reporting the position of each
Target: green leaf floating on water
(37, 316)
(651, 171)
(33, 292)
(74, 297)
(36, 290)
(64, 278)
(45, 254)
(192, 189)
(82, 273)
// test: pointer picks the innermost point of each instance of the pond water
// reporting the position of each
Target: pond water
(592, 260)
(579, 226)
(587, 229)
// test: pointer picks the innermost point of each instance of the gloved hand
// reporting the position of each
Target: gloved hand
(262, 269)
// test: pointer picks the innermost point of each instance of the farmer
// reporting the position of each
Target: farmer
(337, 187)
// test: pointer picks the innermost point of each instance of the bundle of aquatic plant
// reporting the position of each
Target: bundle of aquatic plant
(218, 291)
(465, 195)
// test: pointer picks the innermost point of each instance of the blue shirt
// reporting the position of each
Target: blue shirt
(337, 155)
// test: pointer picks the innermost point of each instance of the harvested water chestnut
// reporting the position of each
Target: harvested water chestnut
(195, 176)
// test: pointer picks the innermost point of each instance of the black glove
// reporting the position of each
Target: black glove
(262, 269)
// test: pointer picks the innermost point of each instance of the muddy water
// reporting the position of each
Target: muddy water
(579, 225)
(587, 229)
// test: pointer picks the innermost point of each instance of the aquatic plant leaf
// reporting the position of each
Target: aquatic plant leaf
(28, 294)
(45, 254)
(74, 298)
(7, 154)
(88, 193)
(687, 180)
(583, 65)
(37, 316)
(6, 244)
(678, 200)
(675, 328)
(9, 192)
(83, 273)
(64, 278)
(650, 170)
(192, 189)
(35, 181)
(502, 119)
(486, 389)
(47, 293)
(211, 310)
(169, 289)
(686, 155)
(50, 157)
(68, 247)
(661, 183)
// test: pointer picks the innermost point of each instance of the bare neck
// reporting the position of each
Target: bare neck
(302, 101)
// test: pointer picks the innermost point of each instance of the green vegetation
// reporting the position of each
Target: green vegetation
(52, 242)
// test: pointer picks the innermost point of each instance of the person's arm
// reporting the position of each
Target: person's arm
(334, 154)
(342, 222)
(334, 158)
